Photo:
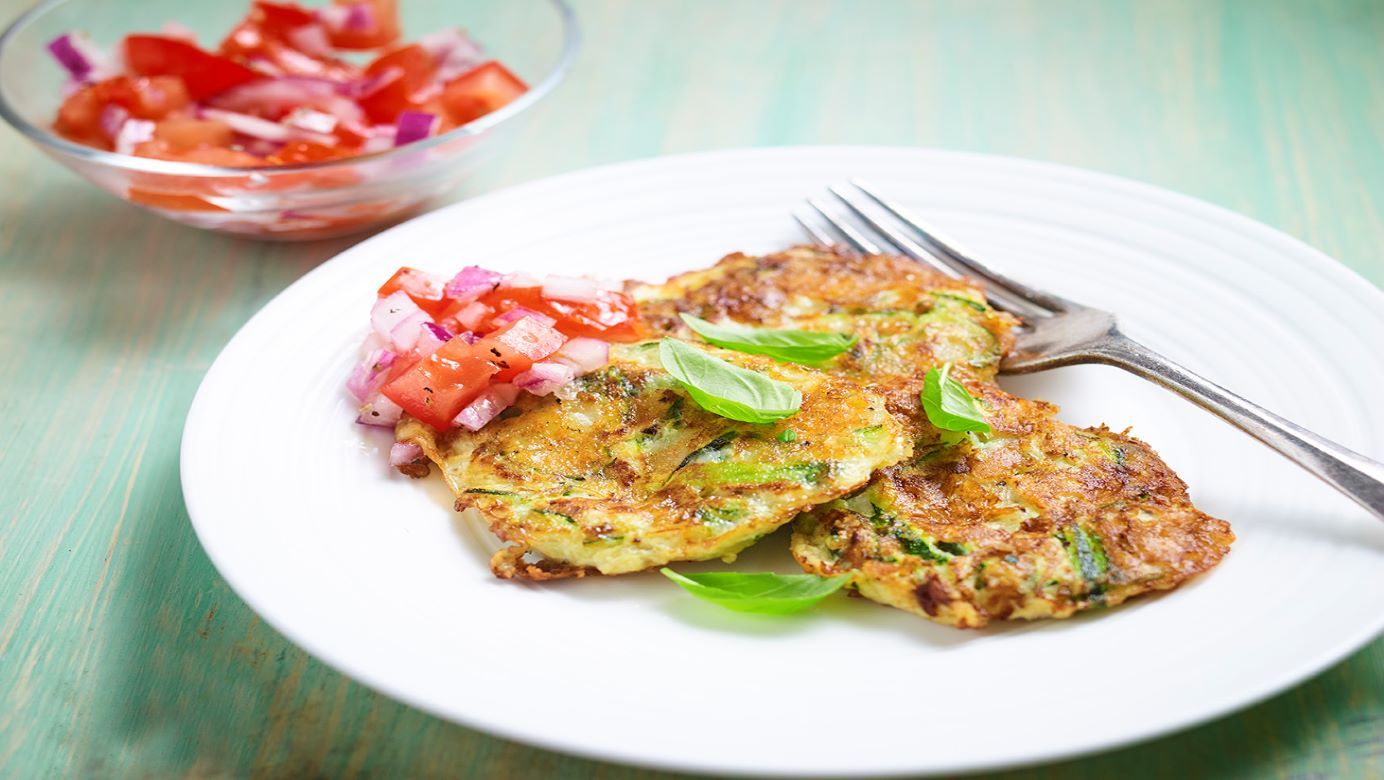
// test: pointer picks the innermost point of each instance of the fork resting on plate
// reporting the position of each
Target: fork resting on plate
(1059, 332)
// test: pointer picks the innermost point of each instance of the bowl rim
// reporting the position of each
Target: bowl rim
(571, 46)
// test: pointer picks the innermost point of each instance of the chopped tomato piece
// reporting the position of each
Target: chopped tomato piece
(612, 316)
(164, 200)
(420, 286)
(479, 91)
(79, 117)
(369, 24)
(414, 67)
(306, 152)
(205, 74)
(279, 18)
(441, 384)
(187, 133)
(514, 348)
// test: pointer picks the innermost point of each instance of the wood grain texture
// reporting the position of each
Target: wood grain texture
(123, 654)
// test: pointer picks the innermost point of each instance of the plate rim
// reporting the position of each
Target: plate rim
(1333, 270)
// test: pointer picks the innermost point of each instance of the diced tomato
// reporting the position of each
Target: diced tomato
(422, 287)
(204, 73)
(440, 385)
(515, 347)
(79, 117)
(415, 68)
(382, 30)
(479, 91)
(279, 18)
(305, 152)
(172, 202)
(187, 133)
(612, 316)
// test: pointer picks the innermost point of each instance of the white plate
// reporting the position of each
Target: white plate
(373, 574)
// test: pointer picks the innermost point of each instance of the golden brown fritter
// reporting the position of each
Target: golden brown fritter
(1036, 519)
(628, 473)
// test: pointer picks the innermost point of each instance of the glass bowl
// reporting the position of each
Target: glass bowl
(537, 39)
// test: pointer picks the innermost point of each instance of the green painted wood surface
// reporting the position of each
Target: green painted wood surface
(123, 654)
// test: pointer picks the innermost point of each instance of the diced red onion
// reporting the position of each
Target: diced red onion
(468, 337)
(333, 16)
(113, 118)
(174, 29)
(471, 283)
(583, 354)
(431, 337)
(379, 412)
(544, 378)
(359, 18)
(276, 96)
(391, 310)
(133, 133)
(486, 406)
(519, 312)
(264, 66)
(570, 288)
(372, 341)
(454, 51)
(370, 84)
(68, 56)
(311, 39)
(344, 109)
(378, 143)
(406, 334)
(297, 63)
(520, 280)
(472, 315)
(369, 375)
(404, 453)
(413, 126)
(311, 121)
(265, 130)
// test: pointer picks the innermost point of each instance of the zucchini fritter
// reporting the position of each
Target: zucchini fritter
(628, 473)
(1036, 519)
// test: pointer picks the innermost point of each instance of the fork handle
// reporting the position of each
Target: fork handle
(1357, 476)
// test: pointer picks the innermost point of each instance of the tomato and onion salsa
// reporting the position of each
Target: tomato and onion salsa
(279, 89)
(457, 353)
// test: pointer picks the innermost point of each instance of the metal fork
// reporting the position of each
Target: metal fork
(1059, 332)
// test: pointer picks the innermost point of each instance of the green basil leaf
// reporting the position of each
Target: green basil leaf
(728, 390)
(948, 405)
(794, 346)
(764, 593)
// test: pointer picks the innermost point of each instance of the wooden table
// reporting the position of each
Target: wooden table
(122, 653)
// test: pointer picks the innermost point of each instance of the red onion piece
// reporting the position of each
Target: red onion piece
(277, 95)
(520, 280)
(468, 337)
(519, 312)
(544, 378)
(132, 133)
(391, 310)
(406, 334)
(404, 453)
(113, 118)
(311, 121)
(70, 57)
(413, 126)
(359, 18)
(486, 406)
(472, 315)
(571, 288)
(379, 412)
(531, 338)
(369, 375)
(311, 39)
(471, 283)
(263, 129)
(454, 52)
(583, 354)
(333, 16)
(431, 337)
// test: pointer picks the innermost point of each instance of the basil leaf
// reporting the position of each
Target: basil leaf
(794, 346)
(763, 593)
(728, 390)
(948, 405)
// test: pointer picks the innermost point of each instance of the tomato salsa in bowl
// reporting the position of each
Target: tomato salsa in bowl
(279, 119)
